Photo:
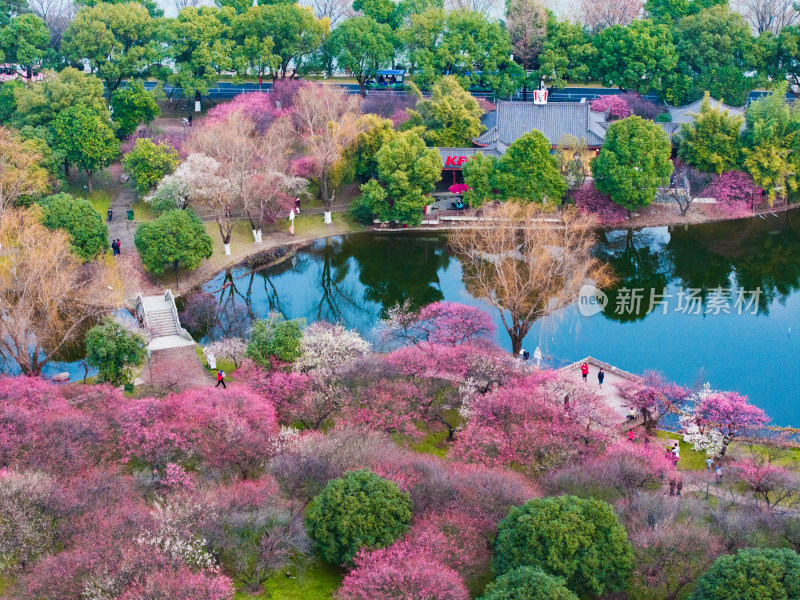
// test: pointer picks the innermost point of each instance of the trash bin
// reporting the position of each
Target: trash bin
(130, 214)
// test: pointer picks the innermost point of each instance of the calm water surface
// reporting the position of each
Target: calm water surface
(355, 279)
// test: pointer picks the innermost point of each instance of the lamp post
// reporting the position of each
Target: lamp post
(709, 465)
(150, 365)
(86, 192)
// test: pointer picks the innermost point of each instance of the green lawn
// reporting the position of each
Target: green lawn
(142, 211)
(225, 365)
(314, 225)
(433, 443)
(689, 460)
(317, 581)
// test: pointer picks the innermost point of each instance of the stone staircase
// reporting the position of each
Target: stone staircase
(159, 315)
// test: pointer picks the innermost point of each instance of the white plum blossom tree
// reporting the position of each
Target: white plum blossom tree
(234, 349)
(327, 347)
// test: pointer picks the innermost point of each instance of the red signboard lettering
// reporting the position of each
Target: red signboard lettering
(455, 161)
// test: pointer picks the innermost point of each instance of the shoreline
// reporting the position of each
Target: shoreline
(280, 241)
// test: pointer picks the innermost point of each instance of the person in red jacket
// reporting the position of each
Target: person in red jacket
(221, 379)
(585, 370)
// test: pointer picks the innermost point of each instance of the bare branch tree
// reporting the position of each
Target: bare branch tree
(598, 15)
(46, 295)
(335, 10)
(56, 14)
(327, 122)
(21, 173)
(485, 7)
(526, 23)
(526, 266)
(769, 15)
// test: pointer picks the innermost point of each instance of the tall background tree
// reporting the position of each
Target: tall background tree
(526, 23)
(117, 40)
(361, 46)
(25, 41)
(86, 140)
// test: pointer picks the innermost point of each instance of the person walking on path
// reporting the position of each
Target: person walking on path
(110, 215)
(119, 248)
(297, 205)
(221, 379)
(600, 376)
(114, 247)
(585, 370)
(679, 486)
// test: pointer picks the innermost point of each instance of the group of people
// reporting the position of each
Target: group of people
(601, 375)
(115, 246)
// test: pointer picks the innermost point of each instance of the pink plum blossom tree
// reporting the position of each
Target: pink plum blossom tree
(653, 398)
(443, 323)
(592, 201)
(615, 107)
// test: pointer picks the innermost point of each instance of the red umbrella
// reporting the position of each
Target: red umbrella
(459, 188)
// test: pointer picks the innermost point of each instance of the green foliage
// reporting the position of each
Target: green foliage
(407, 172)
(361, 45)
(199, 43)
(114, 351)
(148, 163)
(87, 231)
(636, 57)
(296, 33)
(8, 99)
(752, 574)
(85, 139)
(358, 510)
(633, 163)
(25, 40)
(150, 5)
(566, 54)
(362, 154)
(527, 583)
(176, 237)
(772, 144)
(170, 195)
(715, 50)
(361, 211)
(479, 174)
(117, 40)
(465, 43)
(253, 41)
(451, 116)
(275, 337)
(711, 142)
(382, 11)
(131, 106)
(577, 539)
(528, 172)
(672, 11)
(40, 104)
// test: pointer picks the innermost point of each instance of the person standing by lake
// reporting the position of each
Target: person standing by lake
(585, 370)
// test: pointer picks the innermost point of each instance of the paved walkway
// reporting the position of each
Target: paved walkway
(175, 369)
(613, 376)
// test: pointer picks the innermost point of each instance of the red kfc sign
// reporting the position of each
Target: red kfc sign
(454, 161)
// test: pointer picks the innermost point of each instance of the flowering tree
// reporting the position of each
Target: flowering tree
(326, 122)
(392, 573)
(234, 349)
(615, 107)
(232, 431)
(326, 347)
(652, 398)
(442, 323)
(736, 194)
(535, 423)
(717, 418)
(769, 483)
(591, 201)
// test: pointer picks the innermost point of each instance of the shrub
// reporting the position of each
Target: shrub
(274, 337)
(736, 194)
(87, 232)
(527, 583)
(752, 574)
(591, 201)
(26, 531)
(579, 540)
(114, 350)
(359, 510)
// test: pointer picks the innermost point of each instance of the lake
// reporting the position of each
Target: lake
(729, 301)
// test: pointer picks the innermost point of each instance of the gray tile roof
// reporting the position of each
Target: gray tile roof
(515, 119)
(685, 114)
